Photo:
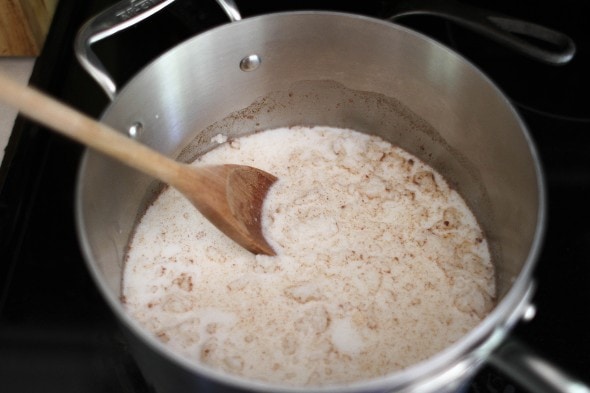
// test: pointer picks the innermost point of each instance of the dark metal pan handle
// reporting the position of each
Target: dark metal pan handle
(511, 32)
(518, 361)
(118, 17)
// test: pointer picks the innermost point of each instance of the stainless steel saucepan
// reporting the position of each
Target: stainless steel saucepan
(335, 69)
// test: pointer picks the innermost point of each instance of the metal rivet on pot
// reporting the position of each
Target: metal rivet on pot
(135, 130)
(529, 313)
(250, 63)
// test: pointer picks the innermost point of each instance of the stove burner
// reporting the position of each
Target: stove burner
(56, 332)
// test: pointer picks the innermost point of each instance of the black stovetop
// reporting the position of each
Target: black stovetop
(56, 332)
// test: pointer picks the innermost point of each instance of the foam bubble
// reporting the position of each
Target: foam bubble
(345, 337)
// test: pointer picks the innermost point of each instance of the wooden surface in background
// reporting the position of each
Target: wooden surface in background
(24, 25)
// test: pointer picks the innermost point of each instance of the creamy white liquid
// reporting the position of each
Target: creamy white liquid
(380, 265)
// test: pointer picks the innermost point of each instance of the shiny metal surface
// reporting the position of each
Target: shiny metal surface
(535, 41)
(325, 69)
(533, 372)
(120, 16)
(231, 9)
(250, 63)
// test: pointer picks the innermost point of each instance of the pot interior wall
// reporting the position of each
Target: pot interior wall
(319, 69)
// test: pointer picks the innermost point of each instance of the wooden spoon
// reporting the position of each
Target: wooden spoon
(230, 196)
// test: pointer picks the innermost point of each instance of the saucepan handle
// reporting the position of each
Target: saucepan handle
(118, 17)
(534, 373)
(555, 48)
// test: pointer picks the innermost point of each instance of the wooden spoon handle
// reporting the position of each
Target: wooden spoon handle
(88, 131)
